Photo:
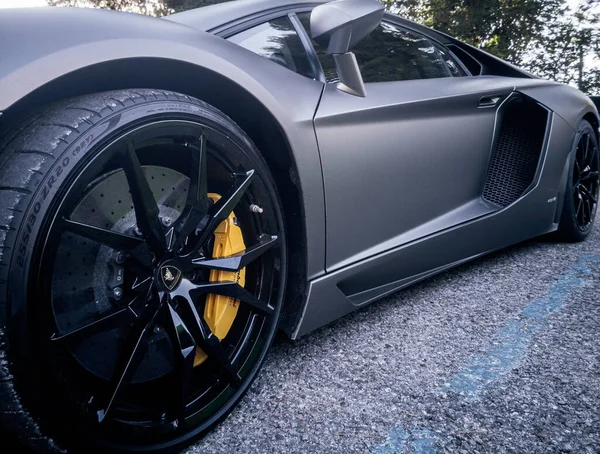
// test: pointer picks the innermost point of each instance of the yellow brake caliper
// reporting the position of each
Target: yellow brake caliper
(220, 311)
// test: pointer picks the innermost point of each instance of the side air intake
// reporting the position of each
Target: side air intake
(518, 146)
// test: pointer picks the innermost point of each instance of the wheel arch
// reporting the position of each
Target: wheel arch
(232, 99)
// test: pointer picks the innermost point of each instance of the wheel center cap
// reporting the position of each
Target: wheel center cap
(169, 275)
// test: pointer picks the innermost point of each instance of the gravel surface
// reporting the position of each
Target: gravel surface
(500, 355)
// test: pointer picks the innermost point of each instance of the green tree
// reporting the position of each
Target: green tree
(566, 51)
(505, 28)
(543, 36)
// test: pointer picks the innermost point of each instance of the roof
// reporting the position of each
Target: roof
(213, 16)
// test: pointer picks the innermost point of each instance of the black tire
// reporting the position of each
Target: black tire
(582, 190)
(77, 185)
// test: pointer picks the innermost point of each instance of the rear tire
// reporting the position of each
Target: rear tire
(106, 241)
(582, 190)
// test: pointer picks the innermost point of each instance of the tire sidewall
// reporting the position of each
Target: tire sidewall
(39, 207)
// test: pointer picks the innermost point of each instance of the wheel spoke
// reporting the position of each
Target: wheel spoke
(588, 176)
(591, 153)
(141, 283)
(584, 212)
(114, 240)
(144, 204)
(131, 358)
(579, 207)
(207, 341)
(184, 349)
(115, 319)
(197, 192)
(586, 149)
(239, 260)
(197, 203)
(587, 194)
(234, 290)
(225, 205)
(577, 171)
(221, 210)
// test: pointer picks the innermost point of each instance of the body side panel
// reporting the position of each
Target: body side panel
(404, 162)
(330, 296)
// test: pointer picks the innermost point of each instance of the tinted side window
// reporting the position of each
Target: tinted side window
(278, 41)
(452, 65)
(392, 53)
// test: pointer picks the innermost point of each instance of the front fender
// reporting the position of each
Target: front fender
(39, 45)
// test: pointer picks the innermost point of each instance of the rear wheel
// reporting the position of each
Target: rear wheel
(582, 191)
(148, 269)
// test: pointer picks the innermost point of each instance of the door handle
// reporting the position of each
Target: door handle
(489, 101)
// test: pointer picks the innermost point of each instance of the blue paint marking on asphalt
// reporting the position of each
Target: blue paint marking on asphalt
(423, 441)
(510, 347)
(395, 443)
(415, 441)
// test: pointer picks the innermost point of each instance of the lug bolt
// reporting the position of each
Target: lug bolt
(256, 209)
(118, 293)
(166, 221)
(121, 258)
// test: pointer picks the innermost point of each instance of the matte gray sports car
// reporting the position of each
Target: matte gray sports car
(173, 190)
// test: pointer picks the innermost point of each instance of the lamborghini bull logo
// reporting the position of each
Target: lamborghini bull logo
(170, 276)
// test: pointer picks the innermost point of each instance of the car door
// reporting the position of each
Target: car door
(410, 158)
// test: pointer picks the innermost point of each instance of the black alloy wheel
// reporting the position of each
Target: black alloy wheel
(582, 190)
(585, 181)
(117, 287)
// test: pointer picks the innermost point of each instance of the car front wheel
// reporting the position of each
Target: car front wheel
(142, 271)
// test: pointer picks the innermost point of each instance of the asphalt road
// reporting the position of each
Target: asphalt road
(500, 355)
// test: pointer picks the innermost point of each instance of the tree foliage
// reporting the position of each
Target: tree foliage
(184, 5)
(543, 36)
(151, 7)
(566, 52)
(502, 27)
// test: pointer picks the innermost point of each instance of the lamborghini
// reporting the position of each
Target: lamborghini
(175, 191)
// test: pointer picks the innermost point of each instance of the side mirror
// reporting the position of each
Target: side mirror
(342, 24)
(339, 26)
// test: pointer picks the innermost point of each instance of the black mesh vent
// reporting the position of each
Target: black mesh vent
(517, 154)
